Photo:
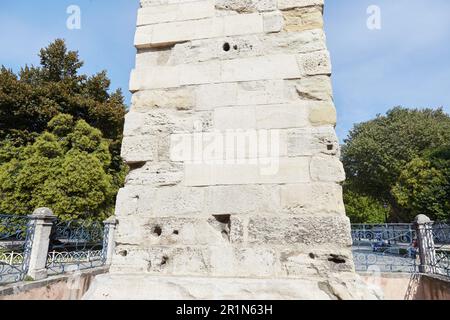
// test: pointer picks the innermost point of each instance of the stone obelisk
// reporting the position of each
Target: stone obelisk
(234, 185)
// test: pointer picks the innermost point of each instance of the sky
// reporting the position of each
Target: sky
(406, 62)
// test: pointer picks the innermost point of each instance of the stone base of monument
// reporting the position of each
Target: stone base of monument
(146, 287)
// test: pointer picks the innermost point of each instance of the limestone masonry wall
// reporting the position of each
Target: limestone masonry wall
(208, 69)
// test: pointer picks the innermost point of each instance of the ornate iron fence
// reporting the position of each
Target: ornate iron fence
(76, 245)
(385, 247)
(438, 250)
(16, 236)
(394, 248)
(72, 246)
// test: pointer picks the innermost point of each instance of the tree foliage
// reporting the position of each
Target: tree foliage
(60, 137)
(35, 95)
(66, 168)
(364, 209)
(424, 186)
(385, 159)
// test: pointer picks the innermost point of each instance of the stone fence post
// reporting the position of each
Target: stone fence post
(425, 241)
(43, 219)
(108, 239)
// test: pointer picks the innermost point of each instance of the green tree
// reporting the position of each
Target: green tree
(364, 209)
(35, 95)
(66, 168)
(424, 186)
(58, 167)
(376, 152)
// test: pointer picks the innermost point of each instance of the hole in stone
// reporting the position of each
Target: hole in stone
(157, 230)
(226, 46)
(224, 218)
(235, 47)
(223, 224)
(123, 253)
(164, 260)
(336, 259)
(312, 255)
(330, 147)
(136, 165)
(176, 232)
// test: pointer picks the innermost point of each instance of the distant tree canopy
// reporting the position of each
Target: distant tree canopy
(401, 161)
(66, 169)
(60, 136)
(364, 209)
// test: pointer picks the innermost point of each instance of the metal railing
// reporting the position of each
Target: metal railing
(396, 247)
(384, 247)
(437, 248)
(68, 246)
(75, 245)
(16, 234)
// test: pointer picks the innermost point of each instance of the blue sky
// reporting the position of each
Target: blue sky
(405, 63)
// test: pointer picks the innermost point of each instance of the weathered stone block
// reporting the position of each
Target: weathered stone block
(127, 201)
(294, 115)
(138, 148)
(310, 141)
(267, 171)
(199, 73)
(164, 34)
(173, 231)
(177, 98)
(232, 25)
(299, 230)
(273, 21)
(173, 201)
(327, 168)
(236, 146)
(315, 262)
(312, 198)
(176, 12)
(160, 202)
(313, 88)
(242, 199)
(275, 67)
(129, 258)
(317, 63)
(153, 57)
(156, 174)
(282, 116)
(322, 114)
(260, 68)
(127, 286)
(300, 19)
(210, 96)
(123, 286)
(197, 260)
(244, 6)
(290, 4)
(260, 92)
(235, 118)
(163, 121)
(240, 94)
(237, 47)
